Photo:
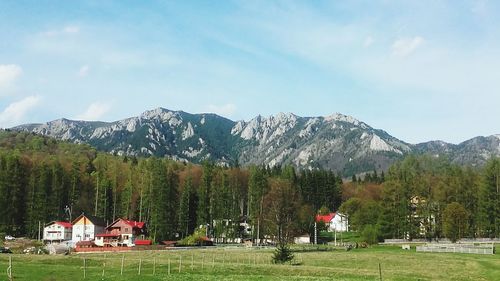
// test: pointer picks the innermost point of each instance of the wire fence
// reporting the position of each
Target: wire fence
(483, 249)
(113, 265)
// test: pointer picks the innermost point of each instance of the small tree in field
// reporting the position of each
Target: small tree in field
(282, 254)
(455, 218)
(282, 203)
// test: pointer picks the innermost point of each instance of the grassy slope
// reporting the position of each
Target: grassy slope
(243, 264)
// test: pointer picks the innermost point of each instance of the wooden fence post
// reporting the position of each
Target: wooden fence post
(154, 265)
(123, 260)
(380, 271)
(168, 266)
(84, 268)
(9, 269)
(140, 263)
(103, 267)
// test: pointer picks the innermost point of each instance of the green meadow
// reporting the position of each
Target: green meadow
(255, 264)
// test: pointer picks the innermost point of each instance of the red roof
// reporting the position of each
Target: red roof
(64, 224)
(138, 224)
(107, 235)
(142, 242)
(325, 218)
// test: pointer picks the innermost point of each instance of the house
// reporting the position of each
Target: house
(86, 227)
(57, 231)
(334, 222)
(122, 232)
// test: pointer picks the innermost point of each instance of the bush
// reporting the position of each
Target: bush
(371, 234)
(282, 254)
(194, 239)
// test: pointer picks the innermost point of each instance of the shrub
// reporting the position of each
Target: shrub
(282, 254)
(196, 238)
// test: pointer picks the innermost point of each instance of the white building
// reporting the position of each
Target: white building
(57, 231)
(86, 227)
(335, 222)
(303, 239)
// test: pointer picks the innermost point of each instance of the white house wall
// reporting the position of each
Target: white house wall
(86, 232)
(56, 232)
(339, 223)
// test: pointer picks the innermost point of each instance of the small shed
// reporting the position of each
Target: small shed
(303, 239)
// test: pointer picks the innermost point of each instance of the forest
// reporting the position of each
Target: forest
(43, 180)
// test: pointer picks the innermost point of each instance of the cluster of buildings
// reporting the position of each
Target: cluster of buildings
(90, 231)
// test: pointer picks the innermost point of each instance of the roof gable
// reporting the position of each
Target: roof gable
(61, 223)
(131, 223)
(325, 218)
(94, 220)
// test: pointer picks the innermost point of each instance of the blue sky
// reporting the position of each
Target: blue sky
(421, 70)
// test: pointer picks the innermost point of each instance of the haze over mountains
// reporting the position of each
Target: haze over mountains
(336, 142)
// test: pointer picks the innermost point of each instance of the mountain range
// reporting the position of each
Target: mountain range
(338, 142)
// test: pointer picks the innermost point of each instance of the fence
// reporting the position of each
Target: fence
(442, 240)
(483, 249)
(96, 266)
(173, 263)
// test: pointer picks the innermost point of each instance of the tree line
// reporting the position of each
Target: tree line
(41, 179)
(418, 197)
(427, 197)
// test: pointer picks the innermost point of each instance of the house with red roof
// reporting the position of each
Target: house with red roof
(57, 231)
(335, 222)
(122, 232)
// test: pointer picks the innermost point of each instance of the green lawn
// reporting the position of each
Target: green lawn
(251, 264)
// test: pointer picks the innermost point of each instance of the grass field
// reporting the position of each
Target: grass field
(250, 264)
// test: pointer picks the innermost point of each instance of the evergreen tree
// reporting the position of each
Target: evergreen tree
(490, 199)
(455, 219)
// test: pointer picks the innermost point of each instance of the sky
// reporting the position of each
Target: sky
(420, 70)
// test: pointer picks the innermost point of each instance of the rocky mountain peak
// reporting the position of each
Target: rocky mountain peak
(338, 142)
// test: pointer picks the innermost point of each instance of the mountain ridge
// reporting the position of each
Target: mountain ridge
(338, 142)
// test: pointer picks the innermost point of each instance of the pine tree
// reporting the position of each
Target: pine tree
(185, 207)
(204, 212)
(490, 199)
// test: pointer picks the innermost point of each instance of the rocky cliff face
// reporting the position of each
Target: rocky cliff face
(337, 142)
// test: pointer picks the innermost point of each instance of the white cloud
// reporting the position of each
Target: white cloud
(226, 110)
(83, 71)
(8, 74)
(16, 111)
(94, 112)
(405, 46)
